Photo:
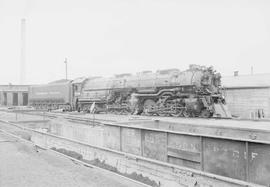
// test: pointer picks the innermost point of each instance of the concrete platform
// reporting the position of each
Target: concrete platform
(143, 148)
(23, 165)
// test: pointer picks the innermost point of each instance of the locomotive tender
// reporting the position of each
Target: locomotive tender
(195, 92)
(51, 96)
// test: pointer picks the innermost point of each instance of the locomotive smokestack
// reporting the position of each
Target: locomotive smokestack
(22, 63)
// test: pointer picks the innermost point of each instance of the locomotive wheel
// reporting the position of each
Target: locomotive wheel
(177, 114)
(148, 106)
(205, 114)
(172, 103)
(124, 112)
(186, 114)
(163, 114)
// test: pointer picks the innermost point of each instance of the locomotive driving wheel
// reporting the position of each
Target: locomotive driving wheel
(177, 114)
(149, 106)
(174, 106)
(186, 113)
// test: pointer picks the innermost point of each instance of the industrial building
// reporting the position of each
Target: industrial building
(13, 95)
(248, 96)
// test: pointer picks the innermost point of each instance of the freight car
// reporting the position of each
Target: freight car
(55, 95)
(195, 92)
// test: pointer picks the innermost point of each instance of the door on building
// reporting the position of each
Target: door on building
(25, 99)
(5, 99)
(15, 99)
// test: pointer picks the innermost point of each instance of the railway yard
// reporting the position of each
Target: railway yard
(139, 150)
(135, 93)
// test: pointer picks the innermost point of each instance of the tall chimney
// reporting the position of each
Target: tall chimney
(22, 65)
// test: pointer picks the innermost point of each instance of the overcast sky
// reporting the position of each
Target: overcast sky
(106, 37)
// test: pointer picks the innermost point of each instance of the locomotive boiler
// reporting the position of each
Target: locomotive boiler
(195, 92)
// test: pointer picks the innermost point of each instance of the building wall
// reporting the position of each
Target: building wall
(243, 101)
(20, 99)
(10, 89)
(9, 98)
(1, 98)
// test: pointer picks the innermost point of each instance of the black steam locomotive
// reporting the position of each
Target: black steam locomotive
(195, 92)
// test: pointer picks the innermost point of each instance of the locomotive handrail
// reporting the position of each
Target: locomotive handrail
(154, 94)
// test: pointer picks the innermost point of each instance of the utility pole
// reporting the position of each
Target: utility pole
(66, 67)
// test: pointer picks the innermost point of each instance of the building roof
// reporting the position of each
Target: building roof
(244, 81)
(60, 81)
(79, 80)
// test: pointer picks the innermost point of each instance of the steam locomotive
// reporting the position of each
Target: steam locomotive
(195, 92)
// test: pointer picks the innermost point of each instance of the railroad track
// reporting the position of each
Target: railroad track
(79, 116)
(86, 119)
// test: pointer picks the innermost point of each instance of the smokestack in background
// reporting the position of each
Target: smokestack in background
(22, 60)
